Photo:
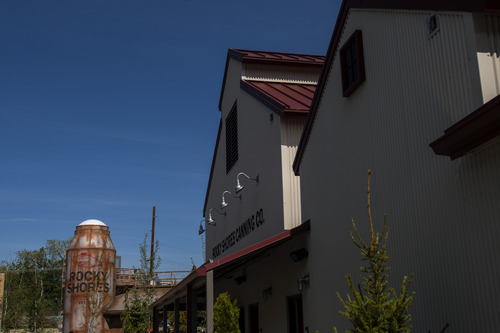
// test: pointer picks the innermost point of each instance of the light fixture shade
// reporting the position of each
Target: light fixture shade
(201, 230)
(224, 203)
(299, 254)
(238, 186)
(210, 220)
(303, 282)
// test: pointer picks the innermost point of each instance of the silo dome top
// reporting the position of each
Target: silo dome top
(92, 222)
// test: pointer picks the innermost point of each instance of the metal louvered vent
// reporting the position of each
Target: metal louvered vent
(231, 138)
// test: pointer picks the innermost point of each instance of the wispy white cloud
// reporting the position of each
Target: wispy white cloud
(31, 196)
(191, 176)
(29, 220)
(40, 196)
(114, 133)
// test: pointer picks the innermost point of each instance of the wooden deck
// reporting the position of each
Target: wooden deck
(135, 277)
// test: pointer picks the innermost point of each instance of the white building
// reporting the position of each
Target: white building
(256, 245)
(404, 83)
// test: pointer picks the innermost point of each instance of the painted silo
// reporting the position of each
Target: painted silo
(90, 272)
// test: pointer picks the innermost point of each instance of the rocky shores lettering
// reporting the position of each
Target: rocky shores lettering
(87, 281)
(239, 233)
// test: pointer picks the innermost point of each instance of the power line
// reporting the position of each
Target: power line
(33, 270)
(178, 248)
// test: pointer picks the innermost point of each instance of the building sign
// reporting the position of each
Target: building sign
(87, 281)
(241, 231)
(88, 277)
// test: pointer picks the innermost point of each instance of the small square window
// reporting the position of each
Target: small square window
(352, 63)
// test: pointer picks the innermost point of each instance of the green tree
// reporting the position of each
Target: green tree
(226, 315)
(373, 307)
(33, 286)
(136, 317)
(182, 320)
(94, 302)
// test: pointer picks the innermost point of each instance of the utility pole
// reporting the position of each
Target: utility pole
(152, 244)
(2, 284)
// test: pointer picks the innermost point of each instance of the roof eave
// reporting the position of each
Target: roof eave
(195, 274)
(224, 81)
(271, 103)
(243, 57)
(212, 168)
(443, 5)
(470, 132)
(287, 234)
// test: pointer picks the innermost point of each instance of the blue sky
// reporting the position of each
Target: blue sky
(110, 107)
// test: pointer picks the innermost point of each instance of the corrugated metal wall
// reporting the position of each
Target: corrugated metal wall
(291, 130)
(443, 214)
(493, 24)
(257, 155)
(487, 29)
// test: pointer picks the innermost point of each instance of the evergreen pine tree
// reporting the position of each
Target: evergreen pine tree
(136, 317)
(373, 307)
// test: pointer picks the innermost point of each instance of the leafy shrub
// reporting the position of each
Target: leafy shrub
(226, 315)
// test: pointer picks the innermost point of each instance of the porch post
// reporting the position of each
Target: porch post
(165, 318)
(189, 312)
(210, 301)
(176, 315)
(155, 319)
(191, 309)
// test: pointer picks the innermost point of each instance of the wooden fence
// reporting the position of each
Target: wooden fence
(136, 277)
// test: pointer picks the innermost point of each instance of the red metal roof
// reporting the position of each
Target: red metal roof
(265, 56)
(282, 98)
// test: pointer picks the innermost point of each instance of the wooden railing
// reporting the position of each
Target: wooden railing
(136, 277)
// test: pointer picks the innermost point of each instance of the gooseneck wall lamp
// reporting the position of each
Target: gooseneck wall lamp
(239, 187)
(201, 230)
(209, 221)
(224, 203)
(303, 282)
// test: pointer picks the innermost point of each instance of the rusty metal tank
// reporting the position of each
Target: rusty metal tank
(90, 274)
